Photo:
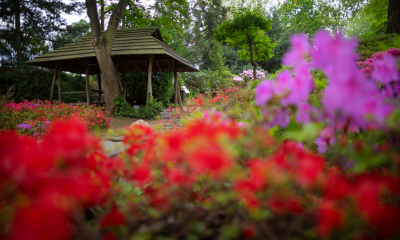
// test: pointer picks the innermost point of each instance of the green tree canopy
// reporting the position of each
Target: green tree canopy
(24, 22)
(247, 30)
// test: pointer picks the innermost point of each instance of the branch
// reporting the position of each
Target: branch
(115, 19)
(94, 18)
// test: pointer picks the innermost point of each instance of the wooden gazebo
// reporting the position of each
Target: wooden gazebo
(134, 50)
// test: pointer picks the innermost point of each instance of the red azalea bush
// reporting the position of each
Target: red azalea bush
(34, 117)
(213, 179)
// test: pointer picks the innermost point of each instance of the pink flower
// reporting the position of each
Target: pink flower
(264, 92)
(385, 69)
(300, 48)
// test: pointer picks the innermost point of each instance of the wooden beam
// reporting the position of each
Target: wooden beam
(136, 66)
(126, 70)
(150, 71)
(158, 66)
(170, 65)
(123, 84)
(87, 83)
(99, 83)
(59, 81)
(53, 83)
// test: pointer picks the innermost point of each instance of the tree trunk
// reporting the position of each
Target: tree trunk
(110, 77)
(253, 62)
(393, 21)
(103, 44)
(18, 47)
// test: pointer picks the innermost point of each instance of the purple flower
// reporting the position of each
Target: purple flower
(303, 113)
(27, 126)
(300, 48)
(385, 70)
(335, 55)
(264, 92)
(43, 126)
(47, 122)
(326, 139)
(20, 126)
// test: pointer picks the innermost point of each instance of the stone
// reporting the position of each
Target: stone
(140, 122)
(11, 95)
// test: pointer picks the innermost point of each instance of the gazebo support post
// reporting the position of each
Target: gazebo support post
(149, 73)
(177, 95)
(175, 82)
(53, 83)
(87, 83)
(59, 81)
(99, 83)
(123, 85)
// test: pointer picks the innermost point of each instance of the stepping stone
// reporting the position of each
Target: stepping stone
(112, 148)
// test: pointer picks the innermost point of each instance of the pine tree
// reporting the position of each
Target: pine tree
(25, 20)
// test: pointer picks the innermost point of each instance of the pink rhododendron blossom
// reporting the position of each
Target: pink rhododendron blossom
(300, 48)
(238, 79)
(264, 92)
(385, 70)
(249, 74)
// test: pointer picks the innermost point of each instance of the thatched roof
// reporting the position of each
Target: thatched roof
(131, 50)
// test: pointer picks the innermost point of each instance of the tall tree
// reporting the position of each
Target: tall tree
(74, 32)
(247, 30)
(27, 19)
(103, 42)
(393, 21)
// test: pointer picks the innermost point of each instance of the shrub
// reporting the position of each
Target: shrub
(34, 83)
(150, 111)
(34, 117)
(378, 43)
(162, 84)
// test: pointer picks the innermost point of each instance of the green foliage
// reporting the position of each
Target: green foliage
(74, 32)
(196, 81)
(217, 57)
(247, 25)
(150, 111)
(289, 19)
(371, 19)
(378, 43)
(136, 84)
(39, 20)
(34, 83)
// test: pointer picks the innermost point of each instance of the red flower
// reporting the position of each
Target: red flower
(330, 217)
(210, 159)
(142, 175)
(114, 218)
(109, 236)
(249, 231)
(40, 222)
(287, 204)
